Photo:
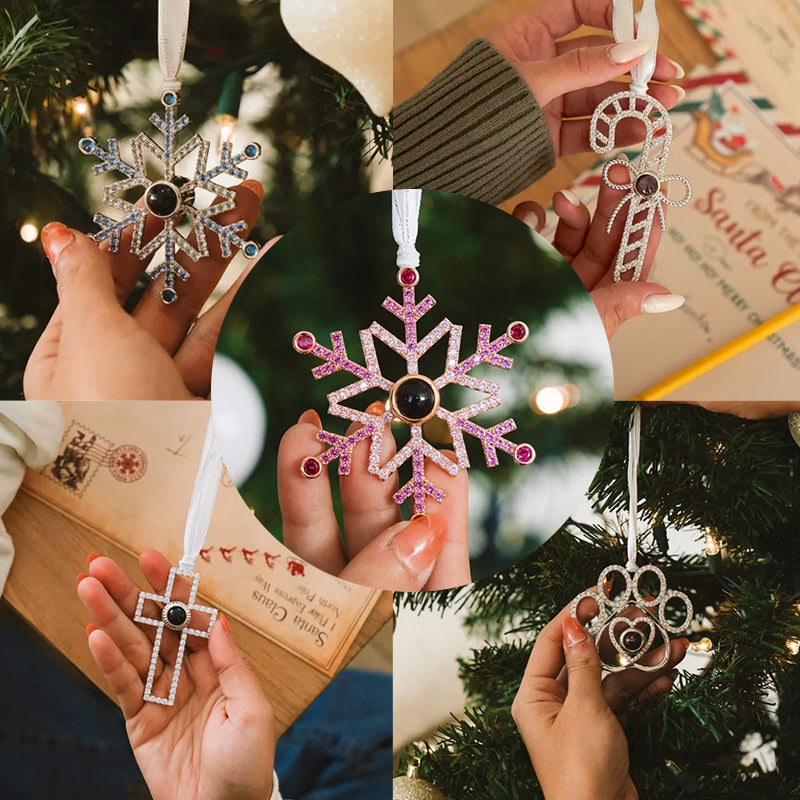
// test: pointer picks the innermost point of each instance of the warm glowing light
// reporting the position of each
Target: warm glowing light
(81, 107)
(227, 129)
(624, 661)
(712, 543)
(704, 645)
(793, 646)
(551, 400)
(28, 232)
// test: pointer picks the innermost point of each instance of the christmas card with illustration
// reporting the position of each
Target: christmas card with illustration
(766, 33)
(122, 483)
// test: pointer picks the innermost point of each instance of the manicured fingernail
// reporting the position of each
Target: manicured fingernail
(81, 576)
(91, 557)
(376, 409)
(624, 52)
(570, 197)
(56, 237)
(255, 187)
(312, 417)
(534, 220)
(662, 303)
(680, 72)
(685, 641)
(680, 91)
(420, 542)
(572, 632)
(91, 628)
(223, 620)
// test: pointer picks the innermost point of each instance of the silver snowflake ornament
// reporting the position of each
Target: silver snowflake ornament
(414, 398)
(171, 198)
(633, 637)
(176, 616)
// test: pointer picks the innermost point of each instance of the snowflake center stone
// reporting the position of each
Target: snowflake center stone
(162, 199)
(414, 399)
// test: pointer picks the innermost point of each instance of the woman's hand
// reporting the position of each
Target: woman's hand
(379, 550)
(92, 349)
(570, 78)
(584, 243)
(569, 717)
(217, 742)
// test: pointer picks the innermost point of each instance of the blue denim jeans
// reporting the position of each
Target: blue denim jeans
(63, 739)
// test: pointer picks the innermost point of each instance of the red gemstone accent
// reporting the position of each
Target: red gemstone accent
(304, 341)
(524, 454)
(311, 467)
(518, 331)
(408, 276)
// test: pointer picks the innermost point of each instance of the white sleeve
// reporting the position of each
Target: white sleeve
(30, 432)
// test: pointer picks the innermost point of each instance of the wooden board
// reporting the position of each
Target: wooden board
(51, 550)
(418, 64)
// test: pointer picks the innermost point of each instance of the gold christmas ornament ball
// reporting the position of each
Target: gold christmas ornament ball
(794, 426)
(405, 788)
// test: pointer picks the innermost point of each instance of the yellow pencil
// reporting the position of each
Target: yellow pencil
(725, 353)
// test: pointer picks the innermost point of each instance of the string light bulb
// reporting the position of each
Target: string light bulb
(712, 543)
(704, 645)
(28, 232)
(551, 400)
(793, 646)
(227, 130)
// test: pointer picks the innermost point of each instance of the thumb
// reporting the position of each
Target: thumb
(583, 663)
(243, 695)
(616, 303)
(581, 68)
(83, 272)
(402, 557)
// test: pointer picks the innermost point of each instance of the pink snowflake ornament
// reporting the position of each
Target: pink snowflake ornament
(414, 398)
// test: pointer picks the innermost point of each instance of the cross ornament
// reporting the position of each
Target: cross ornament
(176, 616)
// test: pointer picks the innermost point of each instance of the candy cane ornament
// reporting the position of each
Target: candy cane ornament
(643, 195)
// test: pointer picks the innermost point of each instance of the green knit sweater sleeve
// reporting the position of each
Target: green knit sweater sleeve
(474, 130)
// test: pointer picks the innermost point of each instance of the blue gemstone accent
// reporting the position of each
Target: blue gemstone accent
(169, 99)
(86, 146)
(251, 249)
(251, 151)
(168, 295)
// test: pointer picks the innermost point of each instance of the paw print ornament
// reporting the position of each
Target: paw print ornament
(414, 398)
(172, 197)
(633, 637)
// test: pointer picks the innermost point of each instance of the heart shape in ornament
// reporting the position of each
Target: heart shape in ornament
(350, 36)
(632, 639)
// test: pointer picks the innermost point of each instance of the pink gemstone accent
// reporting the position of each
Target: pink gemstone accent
(303, 342)
(524, 454)
(408, 276)
(518, 331)
(311, 467)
